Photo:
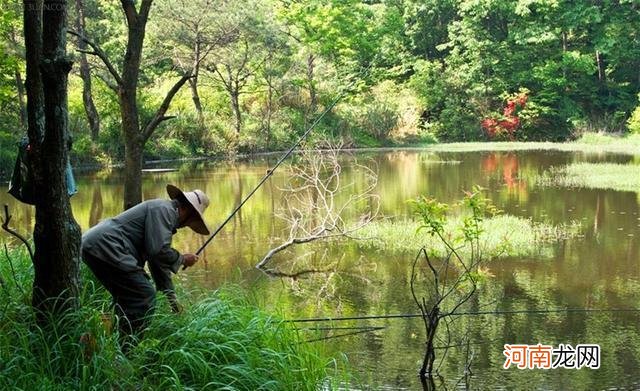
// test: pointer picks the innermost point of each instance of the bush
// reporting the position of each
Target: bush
(634, 122)
(166, 148)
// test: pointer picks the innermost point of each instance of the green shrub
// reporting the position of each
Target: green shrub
(634, 122)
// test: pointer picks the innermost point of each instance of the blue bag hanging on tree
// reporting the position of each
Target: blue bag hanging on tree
(21, 184)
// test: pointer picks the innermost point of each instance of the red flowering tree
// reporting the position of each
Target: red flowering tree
(506, 124)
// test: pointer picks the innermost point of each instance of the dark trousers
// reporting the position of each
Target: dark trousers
(133, 294)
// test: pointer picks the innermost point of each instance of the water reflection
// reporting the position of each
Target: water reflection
(599, 270)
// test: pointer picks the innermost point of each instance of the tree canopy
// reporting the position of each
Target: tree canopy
(262, 71)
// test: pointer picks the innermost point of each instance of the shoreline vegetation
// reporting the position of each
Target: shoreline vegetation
(592, 143)
(605, 176)
(502, 236)
(220, 341)
(587, 143)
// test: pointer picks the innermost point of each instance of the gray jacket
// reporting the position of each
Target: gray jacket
(142, 233)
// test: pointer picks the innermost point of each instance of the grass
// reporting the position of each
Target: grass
(587, 143)
(220, 343)
(502, 236)
(621, 177)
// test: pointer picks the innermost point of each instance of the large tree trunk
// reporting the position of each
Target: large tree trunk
(132, 148)
(85, 74)
(129, 108)
(56, 233)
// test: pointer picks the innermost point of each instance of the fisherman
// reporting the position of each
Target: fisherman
(116, 250)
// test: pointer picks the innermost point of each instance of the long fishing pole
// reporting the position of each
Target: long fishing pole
(282, 159)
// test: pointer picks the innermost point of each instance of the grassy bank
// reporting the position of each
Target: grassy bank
(503, 236)
(587, 143)
(221, 342)
(621, 177)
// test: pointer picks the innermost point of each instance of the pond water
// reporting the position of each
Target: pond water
(599, 269)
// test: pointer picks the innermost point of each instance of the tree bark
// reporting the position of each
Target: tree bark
(269, 110)
(85, 73)
(127, 94)
(235, 103)
(601, 71)
(56, 233)
(132, 147)
(313, 96)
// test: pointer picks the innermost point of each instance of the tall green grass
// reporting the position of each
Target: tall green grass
(222, 342)
(588, 143)
(501, 236)
(621, 177)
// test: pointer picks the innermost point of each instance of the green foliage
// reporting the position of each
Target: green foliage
(8, 153)
(634, 121)
(220, 342)
(434, 70)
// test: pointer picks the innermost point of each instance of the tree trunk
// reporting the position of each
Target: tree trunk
(56, 233)
(128, 92)
(235, 103)
(195, 96)
(85, 74)
(601, 72)
(313, 96)
(132, 148)
(193, 83)
(269, 111)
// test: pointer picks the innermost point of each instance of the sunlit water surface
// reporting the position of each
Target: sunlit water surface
(598, 270)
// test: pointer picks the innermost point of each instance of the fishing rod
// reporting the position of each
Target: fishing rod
(405, 316)
(283, 158)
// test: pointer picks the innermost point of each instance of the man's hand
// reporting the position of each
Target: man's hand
(189, 260)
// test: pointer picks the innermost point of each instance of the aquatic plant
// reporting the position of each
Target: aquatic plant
(621, 177)
(502, 236)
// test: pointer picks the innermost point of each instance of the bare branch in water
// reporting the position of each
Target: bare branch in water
(319, 205)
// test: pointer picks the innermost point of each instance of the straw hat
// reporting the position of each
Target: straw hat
(198, 200)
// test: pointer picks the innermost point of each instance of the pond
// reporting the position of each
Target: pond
(596, 269)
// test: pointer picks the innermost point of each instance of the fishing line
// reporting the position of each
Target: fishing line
(406, 316)
(286, 155)
(341, 335)
(343, 328)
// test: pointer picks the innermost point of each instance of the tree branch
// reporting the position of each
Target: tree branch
(160, 113)
(145, 7)
(130, 13)
(5, 226)
(98, 52)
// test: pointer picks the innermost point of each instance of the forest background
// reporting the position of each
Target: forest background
(417, 72)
